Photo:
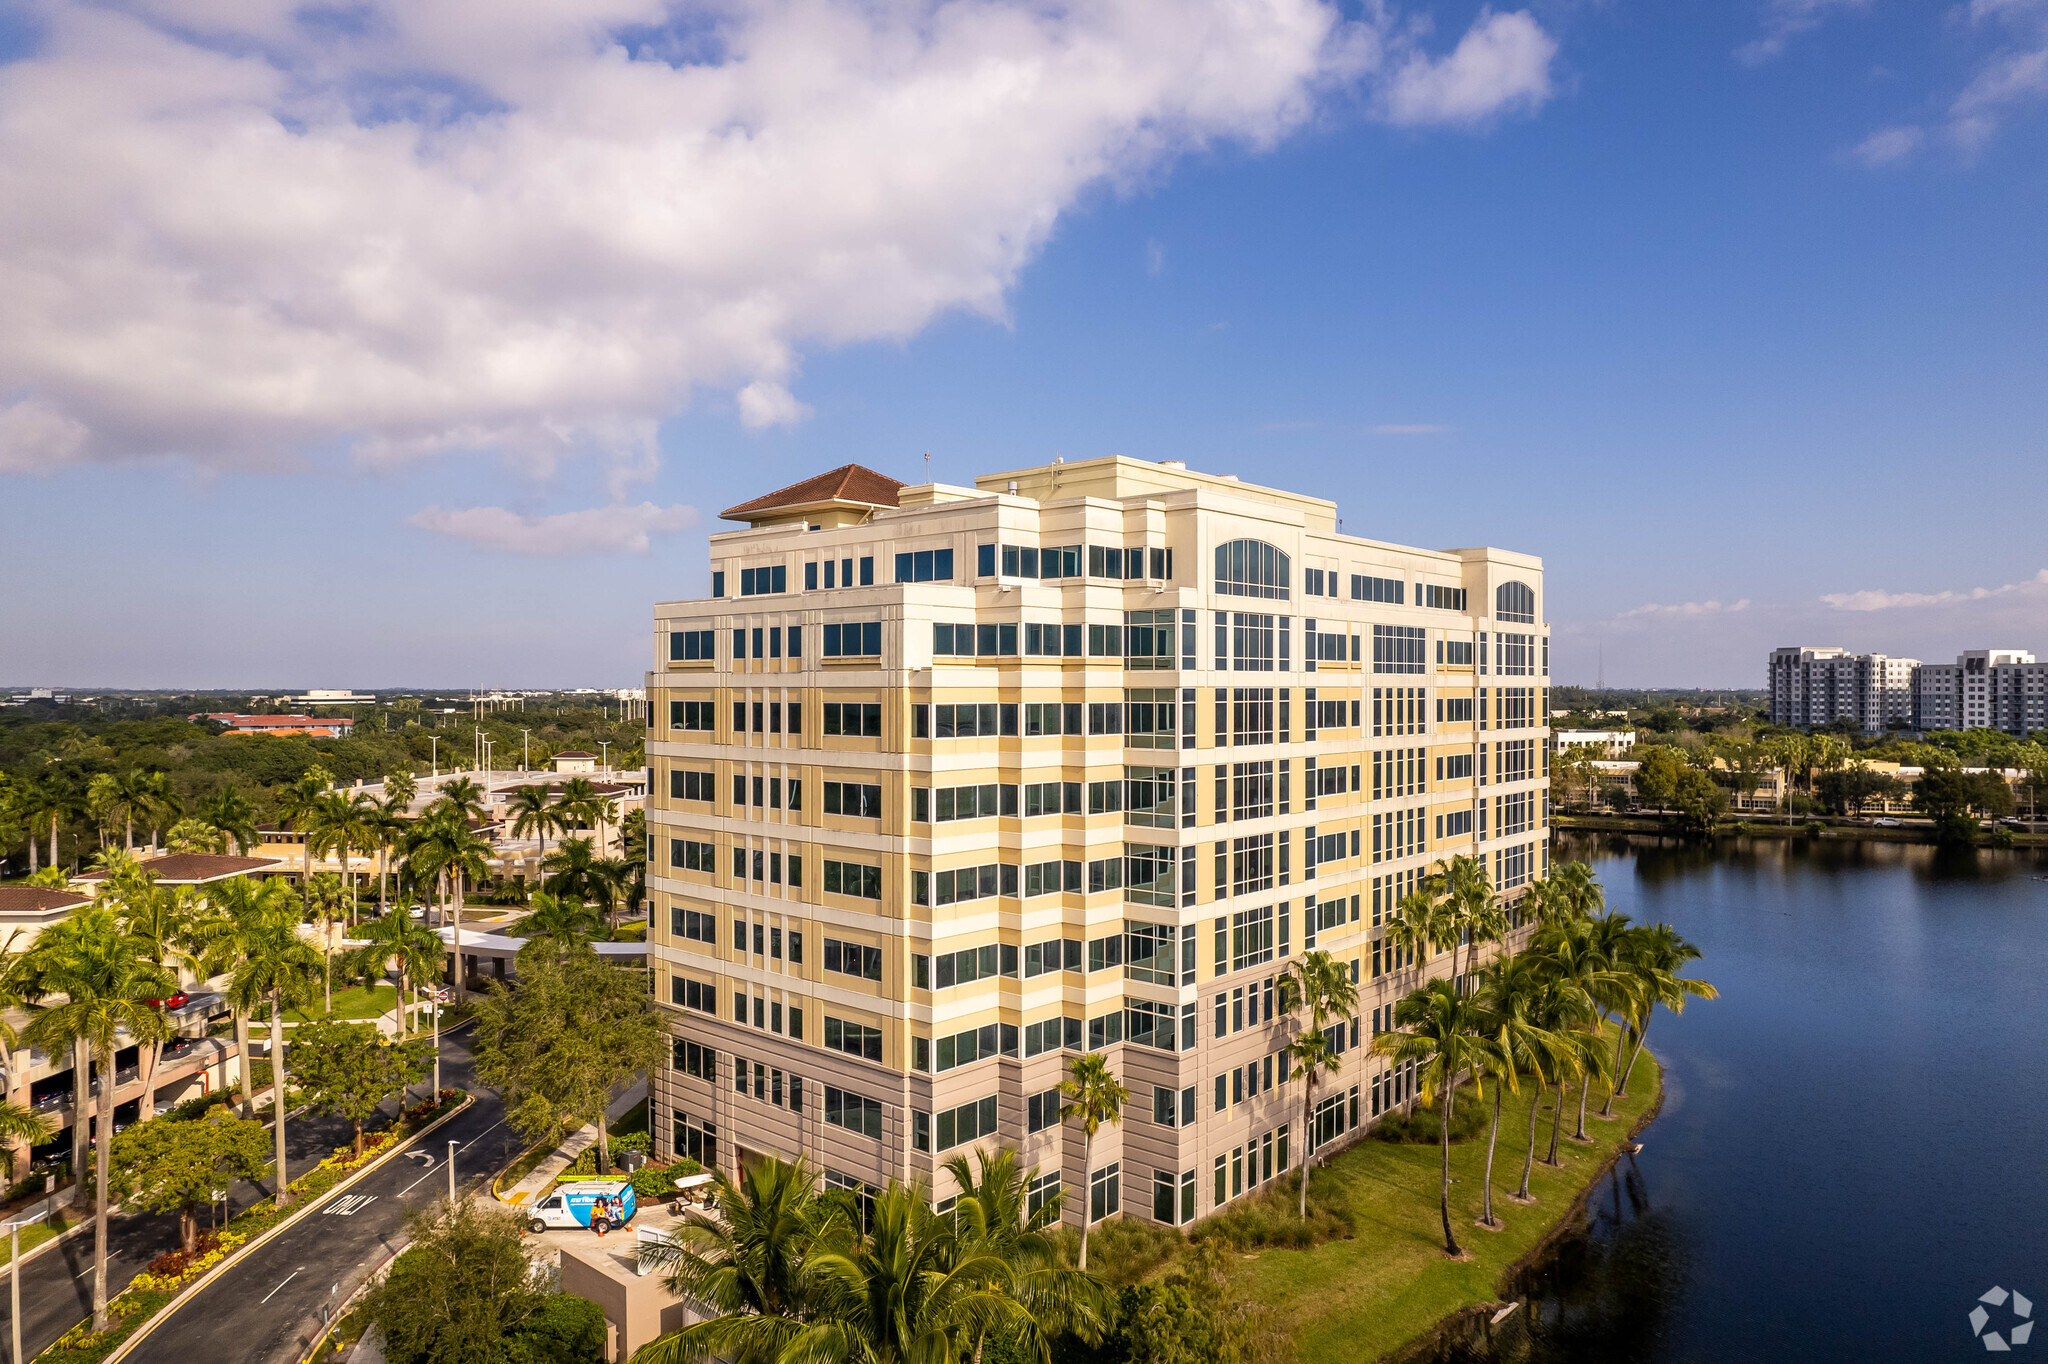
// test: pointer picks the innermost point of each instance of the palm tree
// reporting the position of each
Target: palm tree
(750, 1263)
(575, 869)
(1582, 951)
(229, 811)
(462, 796)
(992, 1215)
(276, 971)
(1564, 1011)
(1323, 984)
(396, 943)
(1424, 923)
(46, 801)
(299, 806)
(163, 922)
(443, 844)
(18, 987)
(329, 904)
(399, 789)
(106, 982)
(118, 798)
(161, 804)
(337, 824)
(384, 824)
(1581, 896)
(559, 920)
(1515, 1046)
(1443, 1030)
(1654, 964)
(576, 804)
(1095, 1096)
(533, 814)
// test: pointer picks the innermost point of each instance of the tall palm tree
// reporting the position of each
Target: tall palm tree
(1095, 1096)
(1582, 951)
(117, 798)
(276, 971)
(18, 987)
(533, 814)
(575, 869)
(163, 922)
(576, 804)
(1562, 1010)
(106, 983)
(299, 806)
(1660, 953)
(400, 787)
(1581, 896)
(463, 796)
(219, 936)
(1443, 1030)
(45, 802)
(161, 804)
(385, 824)
(1424, 923)
(1318, 981)
(442, 844)
(1511, 994)
(394, 943)
(329, 903)
(337, 824)
(229, 811)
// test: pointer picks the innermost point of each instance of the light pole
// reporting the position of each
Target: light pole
(435, 740)
(604, 749)
(14, 1280)
(451, 1173)
(523, 736)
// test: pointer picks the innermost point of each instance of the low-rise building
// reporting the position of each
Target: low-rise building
(312, 727)
(1613, 743)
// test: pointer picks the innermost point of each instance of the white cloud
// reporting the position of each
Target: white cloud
(1888, 146)
(600, 530)
(1414, 429)
(239, 233)
(35, 438)
(1689, 608)
(763, 404)
(1155, 258)
(1785, 20)
(1502, 64)
(1873, 599)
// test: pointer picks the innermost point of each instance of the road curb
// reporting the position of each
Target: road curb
(186, 1293)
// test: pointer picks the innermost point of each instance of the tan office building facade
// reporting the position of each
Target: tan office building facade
(951, 785)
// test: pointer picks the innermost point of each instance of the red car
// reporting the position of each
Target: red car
(176, 1001)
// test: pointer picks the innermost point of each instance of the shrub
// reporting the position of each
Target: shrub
(1125, 1251)
(198, 1106)
(1421, 1125)
(1273, 1218)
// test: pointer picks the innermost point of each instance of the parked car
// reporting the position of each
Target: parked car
(1886, 823)
(599, 1204)
(176, 1001)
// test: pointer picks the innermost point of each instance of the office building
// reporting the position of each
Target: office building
(952, 785)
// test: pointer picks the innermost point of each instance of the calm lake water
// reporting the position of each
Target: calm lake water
(1854, 1142)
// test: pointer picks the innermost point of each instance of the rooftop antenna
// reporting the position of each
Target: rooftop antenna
(1603, 667)
(927, 466)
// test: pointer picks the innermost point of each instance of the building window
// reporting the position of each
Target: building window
(925, 566)
(691, 646)
(853, 1112)
(1252, 568)
(853, 878)
(1389, 590)
(1516, 602)
(1399, 649)
(1104, 1192)
(853, 639)
(756, 582)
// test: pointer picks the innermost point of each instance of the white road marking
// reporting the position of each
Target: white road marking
(281, 1283)
(348, 1205)
(421, 1180)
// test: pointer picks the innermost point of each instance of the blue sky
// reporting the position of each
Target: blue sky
(1724, 310)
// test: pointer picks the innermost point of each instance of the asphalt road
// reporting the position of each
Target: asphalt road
(268, 1308)
(56, 1286)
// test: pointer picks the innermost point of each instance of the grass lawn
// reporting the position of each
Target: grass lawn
(354, 1003)
(1358, 1299)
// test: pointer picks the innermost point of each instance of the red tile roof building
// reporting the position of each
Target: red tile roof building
(317, 727)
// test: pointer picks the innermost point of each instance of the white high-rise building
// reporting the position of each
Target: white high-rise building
(1817, 686)
(1983, 689)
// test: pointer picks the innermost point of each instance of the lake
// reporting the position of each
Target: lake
(1854, 1140)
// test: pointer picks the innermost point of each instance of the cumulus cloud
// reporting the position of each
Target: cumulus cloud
(600, 530)
(239, 233)
(1785, 20)
(2011, 72)
(1501, 64)
(1873, 599)
(1689, 608)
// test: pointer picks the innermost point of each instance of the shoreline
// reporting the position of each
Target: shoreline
(1831, 831)
(1470, 1329)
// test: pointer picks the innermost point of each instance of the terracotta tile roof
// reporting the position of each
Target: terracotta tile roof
(571, 753)
(37, 899)
(192, 868)
(853, 483)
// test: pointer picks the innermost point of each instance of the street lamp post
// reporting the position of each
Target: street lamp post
(14, 1281)
(451, 1173)
(604, 749)
(435, 740)
(524, 734)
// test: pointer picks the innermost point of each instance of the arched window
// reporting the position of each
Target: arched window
(1252, 568)
(1515, 601)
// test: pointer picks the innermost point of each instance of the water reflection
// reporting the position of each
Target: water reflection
(1852, 1137)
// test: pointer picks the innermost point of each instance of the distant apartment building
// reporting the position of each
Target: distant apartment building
(2005, 689)
(1818, 686)
(952, 785)
(1612, 743)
